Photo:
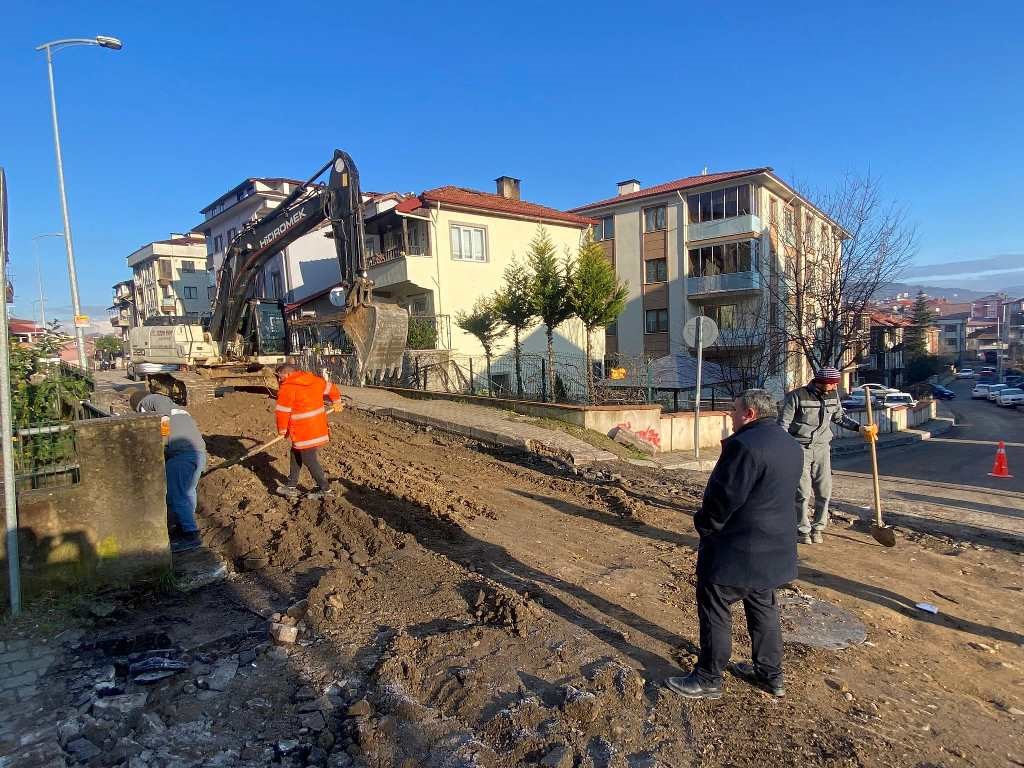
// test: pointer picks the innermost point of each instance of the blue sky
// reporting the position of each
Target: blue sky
(569, 97)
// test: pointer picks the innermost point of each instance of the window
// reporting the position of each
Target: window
(165, 269)
(167, 291)
(654, 218)
(189, 292)
(719, 204)
(655, 271)
(188, 266)
(612, 329)
(790, 232)
(218, 244)
(231, 235)
(209, 242)
(724, 315)
(656, 321)
(469, 243)
(605, 228)
(419, 306)
(950, 342)
(722, 259)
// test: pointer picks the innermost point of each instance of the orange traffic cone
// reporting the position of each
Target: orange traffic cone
(1000, 467)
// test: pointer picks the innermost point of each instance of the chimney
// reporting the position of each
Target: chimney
(629, 185)
(508, 187)
(176, 236)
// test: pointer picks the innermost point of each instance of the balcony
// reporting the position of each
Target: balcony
(376, 258)
(731, 227)
(730, 282)
(394, 267)
(740, 337)
(883, 361)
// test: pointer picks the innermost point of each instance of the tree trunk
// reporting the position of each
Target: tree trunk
(519, 366)
(590, 371)
(551, 364)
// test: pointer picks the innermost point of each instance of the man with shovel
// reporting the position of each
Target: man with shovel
(184, 459)
(301, 415)
(808, 414)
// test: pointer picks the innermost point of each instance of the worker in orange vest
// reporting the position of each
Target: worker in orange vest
(301, 415)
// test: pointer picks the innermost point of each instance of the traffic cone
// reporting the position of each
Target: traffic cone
(1000, 467)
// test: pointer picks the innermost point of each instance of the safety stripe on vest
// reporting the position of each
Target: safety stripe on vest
(283, 409)
(310, 443)
(308, 414)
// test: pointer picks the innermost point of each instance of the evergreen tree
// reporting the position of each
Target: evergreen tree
(552, 278)
(484, 323)
(915, 338)
(597, 297)
(514, 305)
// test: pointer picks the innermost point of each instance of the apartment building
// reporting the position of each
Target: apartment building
(953, 336)
(304, 267)
(706, 244)
(123, 316)
(169, 278)
(437, 252)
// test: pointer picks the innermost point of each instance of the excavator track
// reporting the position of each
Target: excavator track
(184, 388)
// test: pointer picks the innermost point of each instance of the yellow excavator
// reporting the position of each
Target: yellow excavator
(247, 336)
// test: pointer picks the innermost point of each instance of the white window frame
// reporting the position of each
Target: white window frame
(459, 227)
(187, 289)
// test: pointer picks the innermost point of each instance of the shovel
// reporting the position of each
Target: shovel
(881, 533)
(243, 457)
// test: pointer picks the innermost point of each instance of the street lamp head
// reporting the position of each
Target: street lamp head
(109, 42)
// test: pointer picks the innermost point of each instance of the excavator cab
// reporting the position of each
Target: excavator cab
(263, 330)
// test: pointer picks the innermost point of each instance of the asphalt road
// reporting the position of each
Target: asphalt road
(964, 454)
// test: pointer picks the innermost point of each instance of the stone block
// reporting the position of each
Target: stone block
(108, 528)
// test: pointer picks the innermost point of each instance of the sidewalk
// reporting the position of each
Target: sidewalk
(488, 425)
(928, 430)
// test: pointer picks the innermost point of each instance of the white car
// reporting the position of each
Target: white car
(1010, 396)
(980, 391)
(965, 373)
(895, 399)
(995, 389)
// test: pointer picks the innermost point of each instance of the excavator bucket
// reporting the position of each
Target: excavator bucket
(378, 332)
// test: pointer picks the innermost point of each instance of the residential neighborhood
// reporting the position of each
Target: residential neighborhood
(379, 391)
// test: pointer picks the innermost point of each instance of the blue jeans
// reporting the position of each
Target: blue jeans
(183, 470)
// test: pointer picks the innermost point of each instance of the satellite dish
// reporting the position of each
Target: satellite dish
(337, 297)
(708, 331)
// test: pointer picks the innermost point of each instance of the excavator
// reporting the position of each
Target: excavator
(247, 336)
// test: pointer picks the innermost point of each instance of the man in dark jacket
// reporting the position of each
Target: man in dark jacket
(747, 548)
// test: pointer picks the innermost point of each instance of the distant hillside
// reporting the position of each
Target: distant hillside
(891, 290)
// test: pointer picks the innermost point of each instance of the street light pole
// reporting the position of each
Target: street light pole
(105, 42)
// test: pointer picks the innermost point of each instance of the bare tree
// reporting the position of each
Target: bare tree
(752, 348)
(829, 254)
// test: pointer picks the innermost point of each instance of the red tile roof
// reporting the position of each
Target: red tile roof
(674, 186)
(14, 325)
(461, 197)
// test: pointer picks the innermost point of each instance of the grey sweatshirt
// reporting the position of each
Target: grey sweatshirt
(185, 436)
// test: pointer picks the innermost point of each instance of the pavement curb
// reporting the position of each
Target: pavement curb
(535, 445)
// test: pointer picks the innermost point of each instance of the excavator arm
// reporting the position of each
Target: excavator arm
(377, 331)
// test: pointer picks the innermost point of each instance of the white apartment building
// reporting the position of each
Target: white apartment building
(704, 244)
(303, 268)
(170, 278)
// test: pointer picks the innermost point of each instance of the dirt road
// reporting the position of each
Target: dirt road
(431, 542)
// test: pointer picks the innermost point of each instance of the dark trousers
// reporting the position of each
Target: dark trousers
(309, 459)
(762, 610)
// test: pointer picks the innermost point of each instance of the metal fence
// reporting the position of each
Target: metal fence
(617, 380)
(45, 456)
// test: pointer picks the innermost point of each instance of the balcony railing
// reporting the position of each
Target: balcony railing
(375, 258)
(883, 361)
(731, 281)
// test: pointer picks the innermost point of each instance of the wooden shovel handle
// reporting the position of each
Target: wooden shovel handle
(874, 464)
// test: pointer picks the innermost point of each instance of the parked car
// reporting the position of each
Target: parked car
(1010, 396)
(1014, 381)
(942, 393)
(980, 391)
(993, 390)
(965, 373)
(896, 399)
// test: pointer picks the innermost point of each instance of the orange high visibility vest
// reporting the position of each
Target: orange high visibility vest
(300, 408)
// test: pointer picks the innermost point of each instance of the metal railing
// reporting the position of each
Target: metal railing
(45, 456)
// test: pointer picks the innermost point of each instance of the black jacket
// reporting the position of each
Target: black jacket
(747, 523)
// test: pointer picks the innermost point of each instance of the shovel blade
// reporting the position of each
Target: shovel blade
(884, 535)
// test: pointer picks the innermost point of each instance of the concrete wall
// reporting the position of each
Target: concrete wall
(890, 420)
(109, 528)
(677, 430)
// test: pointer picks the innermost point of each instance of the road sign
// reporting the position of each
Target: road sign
(708, 331)
(81, 321)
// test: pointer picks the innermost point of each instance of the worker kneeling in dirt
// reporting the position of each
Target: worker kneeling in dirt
(747, 548)
(808, 414)
(184, 460)
(301, 415)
